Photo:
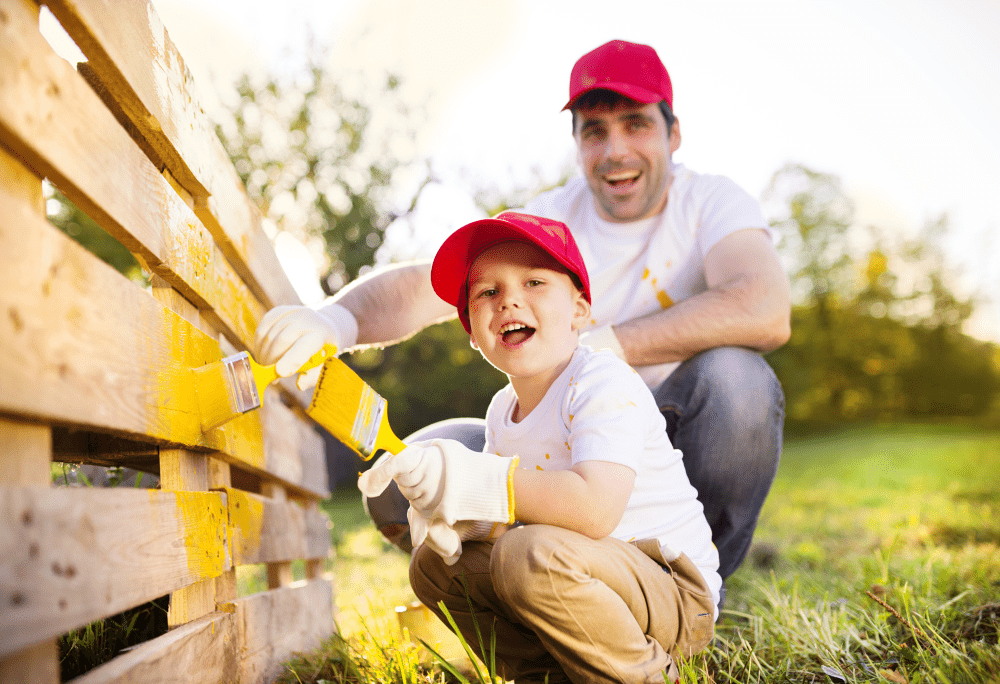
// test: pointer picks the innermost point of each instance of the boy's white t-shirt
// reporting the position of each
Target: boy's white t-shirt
(645, 266)
(598, 409)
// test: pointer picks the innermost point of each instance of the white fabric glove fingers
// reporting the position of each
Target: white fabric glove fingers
(300, 351)
(444, 541)
(374, 480)
(309, 378)
(418, 527)
(271, 340)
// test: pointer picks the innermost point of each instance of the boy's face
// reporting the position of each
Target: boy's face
(524, 311)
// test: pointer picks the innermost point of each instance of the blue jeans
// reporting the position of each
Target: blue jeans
(724, 410)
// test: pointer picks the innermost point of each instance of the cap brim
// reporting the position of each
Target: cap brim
(630, 91)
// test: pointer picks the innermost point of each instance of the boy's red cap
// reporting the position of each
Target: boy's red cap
(630, 69)
(450, 270)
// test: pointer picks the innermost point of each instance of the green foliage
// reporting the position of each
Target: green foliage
(313, 163)
(874, 561)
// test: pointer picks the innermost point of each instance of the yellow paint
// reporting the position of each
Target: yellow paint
(538, 467)
(665, 300)
(246, 518)
(202, 521)
(645, 273)
(547, 456)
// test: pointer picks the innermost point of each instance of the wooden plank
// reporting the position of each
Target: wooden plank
(267, 530)
(36, 665)
(134, 57)
(297, 449)
(84, 346)
(272, 625)
(26, 453)
(72, 556)
(64, 132)
(182, 470)
(201, 652)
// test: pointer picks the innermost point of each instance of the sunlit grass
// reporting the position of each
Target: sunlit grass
(876, 560)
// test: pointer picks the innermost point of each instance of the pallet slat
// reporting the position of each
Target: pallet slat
(65, 132)
(87, 347)
(268, 530)
(275, 624)
(203, 651)
(77, 555)
(131, 52)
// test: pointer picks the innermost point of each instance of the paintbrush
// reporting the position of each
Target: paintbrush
(234, 385)
(352, 411)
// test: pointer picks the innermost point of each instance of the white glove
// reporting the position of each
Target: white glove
(603, 338)
(445, 540)
(444, 479)
(290, 335)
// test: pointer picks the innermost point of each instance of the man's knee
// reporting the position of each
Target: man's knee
(736, 384)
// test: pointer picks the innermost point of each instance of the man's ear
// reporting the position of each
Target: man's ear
(581, 312)
(675, 136)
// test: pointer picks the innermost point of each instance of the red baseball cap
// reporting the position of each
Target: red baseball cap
(630, 69)
(450, 270)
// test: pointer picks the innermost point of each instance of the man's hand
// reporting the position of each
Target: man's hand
(290, 335)
(443, 479)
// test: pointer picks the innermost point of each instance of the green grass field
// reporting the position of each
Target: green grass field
(876, 560)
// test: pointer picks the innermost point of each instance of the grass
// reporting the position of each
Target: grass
(876, 560)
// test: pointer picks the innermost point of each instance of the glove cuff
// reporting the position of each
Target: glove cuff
(481, 486)
(343, 322)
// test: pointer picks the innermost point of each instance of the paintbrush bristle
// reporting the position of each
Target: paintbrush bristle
(352, 411)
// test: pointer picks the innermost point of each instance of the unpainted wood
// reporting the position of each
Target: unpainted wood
(274, 624)
(203, 651)
(83, 345)
(72, 556)
(134, 57)
(64, 132)
(36, 665)
(266, 530)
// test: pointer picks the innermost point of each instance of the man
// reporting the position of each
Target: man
(687, 289)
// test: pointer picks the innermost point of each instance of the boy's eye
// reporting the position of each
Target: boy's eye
(535, 282)
(488, 292)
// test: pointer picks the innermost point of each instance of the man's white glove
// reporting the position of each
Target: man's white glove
(290, 335)
(444, 479)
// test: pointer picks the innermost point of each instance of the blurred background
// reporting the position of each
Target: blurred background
(368, 130)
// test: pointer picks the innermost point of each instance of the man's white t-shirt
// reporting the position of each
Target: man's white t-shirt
(598, 409)
(645, 266)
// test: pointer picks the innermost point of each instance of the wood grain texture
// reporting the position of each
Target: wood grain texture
(267, 530)
(204, 651)
(274, 624)
(72, 556)
(85, 346)
(131, 52)
(36, 665)
(56, 125)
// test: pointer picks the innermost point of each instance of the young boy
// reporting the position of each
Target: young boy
(610, 574)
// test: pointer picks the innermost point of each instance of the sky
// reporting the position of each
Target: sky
(898, 98)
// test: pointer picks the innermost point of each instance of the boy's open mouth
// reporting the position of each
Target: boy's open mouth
(515, 333)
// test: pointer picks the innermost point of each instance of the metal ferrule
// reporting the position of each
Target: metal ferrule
(367, 421)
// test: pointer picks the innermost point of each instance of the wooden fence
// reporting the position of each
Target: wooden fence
(97, 369)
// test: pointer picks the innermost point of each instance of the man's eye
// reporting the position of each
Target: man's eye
(535, 282)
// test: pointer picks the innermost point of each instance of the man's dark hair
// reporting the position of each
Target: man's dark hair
(601, 97)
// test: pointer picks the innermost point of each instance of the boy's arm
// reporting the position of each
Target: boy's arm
(590, 498)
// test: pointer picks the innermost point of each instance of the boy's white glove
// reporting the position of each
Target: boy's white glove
(290, 335)
(445, 540)
(444, 479)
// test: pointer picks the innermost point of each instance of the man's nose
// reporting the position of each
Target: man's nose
(617, 144)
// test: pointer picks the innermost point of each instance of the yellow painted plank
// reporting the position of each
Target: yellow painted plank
(266, 530)
(55, 123)
(72, 556)
(274, 624)
(132, 54)
(84, 346)
(201, 652)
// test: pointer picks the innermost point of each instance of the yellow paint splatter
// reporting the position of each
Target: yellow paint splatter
(645, 273)
(665, 300)
(201, 519)
(547, 456)
(538, 467)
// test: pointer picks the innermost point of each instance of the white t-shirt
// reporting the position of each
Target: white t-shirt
(645, 266)
(598, 409)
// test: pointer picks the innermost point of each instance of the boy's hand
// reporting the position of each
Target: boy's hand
(444, 479)
(445, 540)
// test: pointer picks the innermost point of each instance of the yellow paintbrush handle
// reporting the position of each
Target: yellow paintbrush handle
(265, 375)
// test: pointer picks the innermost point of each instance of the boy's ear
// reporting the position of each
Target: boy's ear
(581, 312)
(472, 343)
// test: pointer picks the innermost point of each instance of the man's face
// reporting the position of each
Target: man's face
(625, 155)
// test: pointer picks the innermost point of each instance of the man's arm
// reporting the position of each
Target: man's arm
(393, 303)
(747, 304)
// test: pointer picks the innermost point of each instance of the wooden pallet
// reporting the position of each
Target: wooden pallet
(96, 369)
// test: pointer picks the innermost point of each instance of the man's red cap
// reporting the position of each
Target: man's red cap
(450, 270)
(630, 69)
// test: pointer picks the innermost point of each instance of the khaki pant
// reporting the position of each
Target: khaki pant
(570, 607)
